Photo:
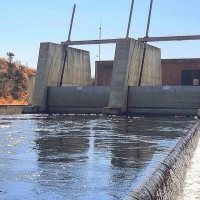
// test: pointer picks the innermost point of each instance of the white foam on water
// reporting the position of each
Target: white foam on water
(191, 190)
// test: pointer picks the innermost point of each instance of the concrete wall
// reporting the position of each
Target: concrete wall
(77, 99)
(164, 100)
(77, 69)
(50, 62)
(152, 75)
(11, 109)
(172, 69)
(31, 85)
(143, 100)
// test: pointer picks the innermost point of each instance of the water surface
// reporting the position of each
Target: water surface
(81, 157)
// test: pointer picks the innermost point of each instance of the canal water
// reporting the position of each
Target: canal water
(81, 156)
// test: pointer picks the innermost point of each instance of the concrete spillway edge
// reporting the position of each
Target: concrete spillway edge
(167, 178)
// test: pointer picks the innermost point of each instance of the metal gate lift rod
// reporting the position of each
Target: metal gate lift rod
(66, 47)
(130, 17)
(145, 43)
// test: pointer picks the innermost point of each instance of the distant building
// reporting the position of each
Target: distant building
(103, 73)
(181, 71)
(174, 72)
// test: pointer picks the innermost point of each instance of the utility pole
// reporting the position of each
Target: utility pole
(100, 44)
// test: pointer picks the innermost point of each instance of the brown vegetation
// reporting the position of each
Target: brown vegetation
(13, 82)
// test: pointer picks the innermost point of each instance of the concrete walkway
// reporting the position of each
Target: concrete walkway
(191, 189)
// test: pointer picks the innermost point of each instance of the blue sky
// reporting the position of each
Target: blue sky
(26, 23)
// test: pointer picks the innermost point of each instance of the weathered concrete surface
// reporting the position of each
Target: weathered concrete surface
(77, 68)
(48, 72)
(11, 109)
(152, 100)
(51, 58)
(126, 70)
(152, 75)
(165, 100)
(119, 81)
(30, 109)
(77, 99)
(31, 84)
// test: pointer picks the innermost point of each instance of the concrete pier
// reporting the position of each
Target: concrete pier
(126, 70)
(119, 83)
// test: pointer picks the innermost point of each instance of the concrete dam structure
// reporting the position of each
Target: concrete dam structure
(63, 79)
(77, 78)
(123, 96)
(63, 85)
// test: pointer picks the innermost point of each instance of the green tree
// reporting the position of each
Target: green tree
(10, 56)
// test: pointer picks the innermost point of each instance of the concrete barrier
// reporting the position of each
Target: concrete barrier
(11, 109)
(167, 178)
(164, 100)
(31, 84)
(78, 99)
(143, 100)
